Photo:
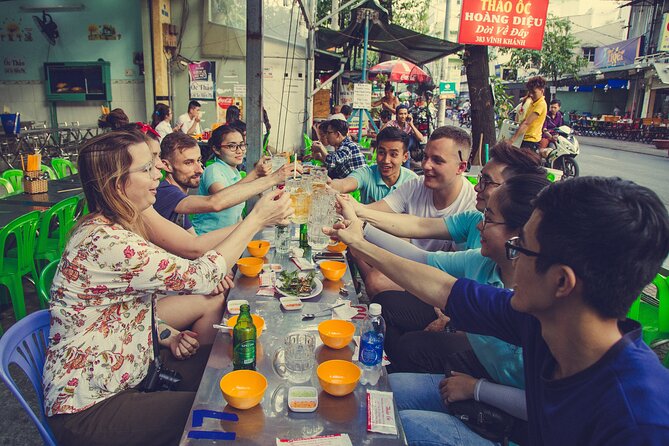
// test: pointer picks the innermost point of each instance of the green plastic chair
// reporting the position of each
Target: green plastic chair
(49, 170)
(15, 177)
(653, 314)
(17, 262)
(44, 283)
(472, 179)
(366, 142)
(356, 195)
(63, 168)
(54, 230)
(7, 185)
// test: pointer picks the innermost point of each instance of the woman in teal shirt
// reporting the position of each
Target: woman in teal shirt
(229, 149)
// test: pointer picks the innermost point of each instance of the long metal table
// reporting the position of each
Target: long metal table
(271, 419)
(58, 191)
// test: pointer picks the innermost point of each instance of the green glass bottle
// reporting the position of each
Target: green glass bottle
(244, 341)
(304, 236)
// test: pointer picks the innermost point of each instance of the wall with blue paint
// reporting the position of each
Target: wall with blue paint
(24, 50)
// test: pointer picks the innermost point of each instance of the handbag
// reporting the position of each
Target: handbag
(487, 421)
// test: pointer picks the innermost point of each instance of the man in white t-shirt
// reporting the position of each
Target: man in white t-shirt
(190, 121)
(440, 192)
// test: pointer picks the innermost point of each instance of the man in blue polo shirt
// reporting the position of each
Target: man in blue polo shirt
(589, 248)
(377, 181)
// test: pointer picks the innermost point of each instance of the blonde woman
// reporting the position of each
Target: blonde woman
(101, 338)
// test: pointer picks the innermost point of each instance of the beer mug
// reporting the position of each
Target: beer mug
(295, 360)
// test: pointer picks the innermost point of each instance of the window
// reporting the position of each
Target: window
(589, 53)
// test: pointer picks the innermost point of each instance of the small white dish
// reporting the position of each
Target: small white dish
(234, 305)
(290, 303)
(302, 399)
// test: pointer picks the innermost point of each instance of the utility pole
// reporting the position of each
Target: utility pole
(334, 26)
(441, 117)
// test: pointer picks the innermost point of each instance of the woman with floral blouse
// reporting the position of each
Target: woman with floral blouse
(101, 342)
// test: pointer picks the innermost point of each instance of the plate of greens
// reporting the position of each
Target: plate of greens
(299, 284)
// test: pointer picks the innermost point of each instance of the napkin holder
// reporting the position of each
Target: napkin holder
(35, 181)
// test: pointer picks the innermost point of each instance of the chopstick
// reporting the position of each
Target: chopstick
(69, 190)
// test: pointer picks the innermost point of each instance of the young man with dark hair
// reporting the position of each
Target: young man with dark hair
(389, 101)
(346, 110)
(346, 156)
(535, 116)
(377, 181)
(190, 121)
(589, 248)
(180, 155)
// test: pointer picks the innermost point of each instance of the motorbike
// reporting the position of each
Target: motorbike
(465, 118)
(563, 148)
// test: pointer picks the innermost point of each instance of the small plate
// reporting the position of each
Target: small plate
(291, 303)
(318, 288)
(234, 305)
(302, 399)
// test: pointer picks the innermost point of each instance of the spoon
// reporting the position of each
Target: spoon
(309, 316)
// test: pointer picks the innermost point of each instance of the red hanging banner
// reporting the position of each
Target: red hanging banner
(508, 23)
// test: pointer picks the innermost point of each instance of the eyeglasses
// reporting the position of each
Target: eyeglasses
(235, 147)
(483, 182)
(487, 221)
(514, 250)
(147, 168)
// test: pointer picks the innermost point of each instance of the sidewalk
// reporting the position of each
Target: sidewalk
(625, 146)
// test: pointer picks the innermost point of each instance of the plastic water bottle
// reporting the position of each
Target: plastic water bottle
(371, 346)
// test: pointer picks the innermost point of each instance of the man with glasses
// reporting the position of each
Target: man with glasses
(180, 155)
(589, 248)
(347, 155)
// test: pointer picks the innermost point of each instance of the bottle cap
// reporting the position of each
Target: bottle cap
(375, 309)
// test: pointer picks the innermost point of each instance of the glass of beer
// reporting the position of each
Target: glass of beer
(299, 196)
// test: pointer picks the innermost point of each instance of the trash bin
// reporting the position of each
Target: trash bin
(11, 123)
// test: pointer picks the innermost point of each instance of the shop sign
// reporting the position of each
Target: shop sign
(447, 87)
(362, 96)
(664, 34)
(202, 80)
(617, 54)
(506, 23)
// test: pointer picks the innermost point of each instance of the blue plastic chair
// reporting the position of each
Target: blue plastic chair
(25, 345)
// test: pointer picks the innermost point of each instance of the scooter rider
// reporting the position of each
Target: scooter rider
(553, 121)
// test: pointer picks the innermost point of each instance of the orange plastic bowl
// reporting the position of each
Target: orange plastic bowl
(337, 247)
(250, 266)
(337, 377)
(258, 248)
(336, 333)
(258, 321)
(333, 270)
(243, 389)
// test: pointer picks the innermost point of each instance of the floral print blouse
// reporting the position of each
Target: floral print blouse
(100, 338)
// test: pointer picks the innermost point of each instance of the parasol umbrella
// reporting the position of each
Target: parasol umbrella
(400, 71)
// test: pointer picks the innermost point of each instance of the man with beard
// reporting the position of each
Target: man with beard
(183, 168)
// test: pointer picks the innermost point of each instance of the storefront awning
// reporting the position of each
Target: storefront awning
(387, 38)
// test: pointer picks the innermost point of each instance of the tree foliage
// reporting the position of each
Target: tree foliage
(556, 58)
(411, 14)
